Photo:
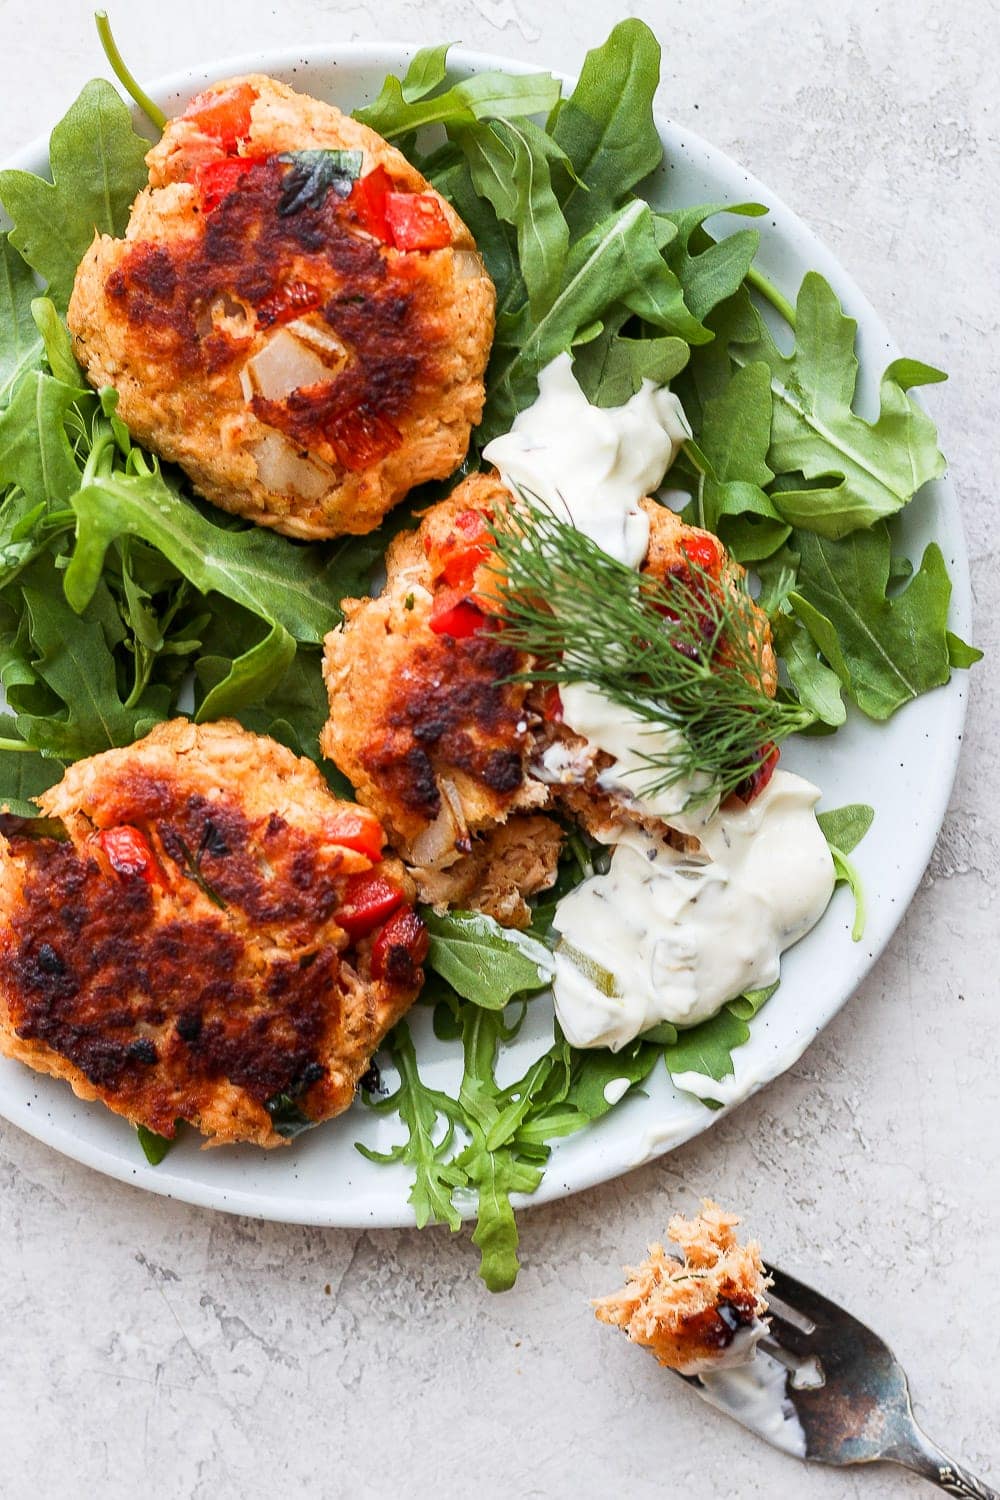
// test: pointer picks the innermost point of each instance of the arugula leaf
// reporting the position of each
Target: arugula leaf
(618, 261)
(746, 1006)
(847, 874)
(606, 126)
(24, 774)
(708, 1047)
(710, 271)
(960, 653)
(611, 367)
(730, 458)
(279, 580)
(422, 1111)
(426, 72)
(846, 826)
(509, 164)
(98, 167)
(57, 343)
(406, 106)
(818, 687)
(482, 961)
(877, 466)
(35, 451)
(885, 650)
(74, 661)
(250, 677)
(287, 1118)
(20, 345)
(155, 1147)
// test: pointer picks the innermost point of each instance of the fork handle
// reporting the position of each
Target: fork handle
(927, 1459)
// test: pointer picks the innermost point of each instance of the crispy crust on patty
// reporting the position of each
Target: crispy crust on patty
(219, 981)
(424, 725)
(395, 342)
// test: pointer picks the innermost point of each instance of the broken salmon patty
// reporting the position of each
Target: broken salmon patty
(294, 316)
(435, 722)
(202, 932)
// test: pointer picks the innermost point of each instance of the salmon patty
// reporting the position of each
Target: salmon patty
(202, 932)
(294, 316)
(437, 739)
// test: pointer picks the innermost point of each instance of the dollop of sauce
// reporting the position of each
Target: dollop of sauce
(671, 936)
(756, 1394)
(592, 465)
(632, 740)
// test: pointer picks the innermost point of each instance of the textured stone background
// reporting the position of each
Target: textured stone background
(150, 1347)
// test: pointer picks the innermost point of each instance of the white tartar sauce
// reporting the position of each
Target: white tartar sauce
(756, 1394)
(668, 936)
(632, 741)
(592, 465)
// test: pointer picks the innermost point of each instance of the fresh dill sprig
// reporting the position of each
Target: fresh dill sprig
(684, 652)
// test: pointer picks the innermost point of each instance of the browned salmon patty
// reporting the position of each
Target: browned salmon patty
(294, 316)
(214, 937)
(437, 739)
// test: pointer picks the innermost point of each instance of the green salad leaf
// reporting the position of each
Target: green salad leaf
(98, 167)
(606, 127)
(154, 1147)
(412, 104)
(20, 343)
(35, 449)
(482, 961)
(885, 649)
(863, 471)
(279, 580)
(844, 828)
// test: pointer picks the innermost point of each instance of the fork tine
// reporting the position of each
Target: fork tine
(819, 1310)
(789, 1337)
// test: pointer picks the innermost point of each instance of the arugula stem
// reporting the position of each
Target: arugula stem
(152, 111)
(777, 299)
(19, 746)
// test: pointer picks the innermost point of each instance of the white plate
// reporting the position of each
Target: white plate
(905, 769)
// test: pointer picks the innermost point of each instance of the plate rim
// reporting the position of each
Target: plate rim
(390, 56)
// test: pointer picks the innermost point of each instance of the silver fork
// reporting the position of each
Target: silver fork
(825, 1387)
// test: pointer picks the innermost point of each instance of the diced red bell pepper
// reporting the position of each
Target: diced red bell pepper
(368, 900)
(358, 829)
(224, 114)
(215, 180)
(408, 221)
(400, 948)
(417, 221)
(702, 550)
(288, 302)
(758, 779)
(361, 438)
(552, 704)
(453, 613)
(128, 852)
(367, 200)
(464, 549)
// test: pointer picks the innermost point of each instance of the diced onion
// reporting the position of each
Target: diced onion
(282, 366)
(282, 469)
(468, 265)
(323, 340)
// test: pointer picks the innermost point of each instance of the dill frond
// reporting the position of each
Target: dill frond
(684, 652)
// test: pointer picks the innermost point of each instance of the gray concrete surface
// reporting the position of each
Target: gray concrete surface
(151, 1348)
